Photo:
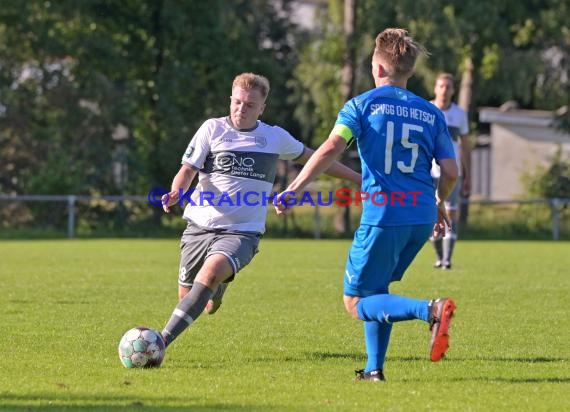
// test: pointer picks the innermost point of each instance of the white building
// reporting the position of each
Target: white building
(521, 141)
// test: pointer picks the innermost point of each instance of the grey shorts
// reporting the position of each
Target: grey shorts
(198, 243)
(452, 201)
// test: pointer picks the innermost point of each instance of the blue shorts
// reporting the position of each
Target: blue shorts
(380, 255)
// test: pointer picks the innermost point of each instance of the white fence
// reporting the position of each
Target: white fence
(556, 207)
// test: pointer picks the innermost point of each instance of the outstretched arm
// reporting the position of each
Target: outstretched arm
(323, 159)
(336, 169)
(180, 183)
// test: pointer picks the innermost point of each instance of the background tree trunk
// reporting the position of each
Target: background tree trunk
(464, 101)
(347, 79)
(466, 85)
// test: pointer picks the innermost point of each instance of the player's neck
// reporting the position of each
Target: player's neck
(442, 104)
(386, 81)
(243, 128)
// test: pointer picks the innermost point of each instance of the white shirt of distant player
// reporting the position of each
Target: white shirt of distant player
(212, 150)
(458, 125)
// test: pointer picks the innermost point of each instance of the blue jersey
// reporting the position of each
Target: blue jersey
(398, 135)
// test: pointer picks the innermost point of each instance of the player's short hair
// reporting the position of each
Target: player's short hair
(252, 81)
(398, 51)
(445, 76)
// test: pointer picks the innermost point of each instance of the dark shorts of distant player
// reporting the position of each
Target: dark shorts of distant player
(381, 255)
(198, 243)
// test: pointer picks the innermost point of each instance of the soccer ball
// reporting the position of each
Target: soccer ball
(141, 347)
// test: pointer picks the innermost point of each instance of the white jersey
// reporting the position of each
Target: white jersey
(458, 125)
(236, 173)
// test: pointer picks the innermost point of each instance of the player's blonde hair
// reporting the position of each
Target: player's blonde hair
(250, 81)
(445, 76)
(398, 52)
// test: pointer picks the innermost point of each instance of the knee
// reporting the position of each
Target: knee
(350, 306)
(214, 271)
(209, 279)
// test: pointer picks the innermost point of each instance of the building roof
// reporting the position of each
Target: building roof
(540, 118)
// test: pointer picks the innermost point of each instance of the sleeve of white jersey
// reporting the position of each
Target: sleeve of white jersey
(199, 146)
(464, 127)
(289, 147)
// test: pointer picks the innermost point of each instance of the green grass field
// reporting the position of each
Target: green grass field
(281, 341)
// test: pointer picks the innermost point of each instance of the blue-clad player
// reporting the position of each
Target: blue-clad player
(398, 134)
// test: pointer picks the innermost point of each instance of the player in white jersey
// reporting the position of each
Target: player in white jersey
(458, 126)
(236, 160)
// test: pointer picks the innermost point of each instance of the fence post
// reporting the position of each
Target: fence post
(71, 216)
(554, 207)
(317, 221)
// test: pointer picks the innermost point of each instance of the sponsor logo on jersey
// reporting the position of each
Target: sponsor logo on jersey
(229, 160)
(251, 165)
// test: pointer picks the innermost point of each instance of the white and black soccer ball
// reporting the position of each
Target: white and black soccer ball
(141, 347)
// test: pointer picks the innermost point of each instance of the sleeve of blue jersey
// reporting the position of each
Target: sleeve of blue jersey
(443, 148)
(347, 124)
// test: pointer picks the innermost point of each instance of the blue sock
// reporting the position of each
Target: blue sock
(377, 336)
(388, 308)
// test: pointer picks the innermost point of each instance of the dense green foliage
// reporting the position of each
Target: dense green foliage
(518, 50)
(281, 341)
(73, 72)
(101, 97)
(552, 181)
(106, 219)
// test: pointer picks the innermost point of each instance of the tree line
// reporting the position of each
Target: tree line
(102, 96)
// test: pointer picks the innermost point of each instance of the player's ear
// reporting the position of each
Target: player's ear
(381, 71)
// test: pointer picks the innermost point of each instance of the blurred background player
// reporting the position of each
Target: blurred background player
(458, 126)
(398, 134)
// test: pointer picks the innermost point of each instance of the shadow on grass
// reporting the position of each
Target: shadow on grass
(82, 402)
(308, 357)
(361, 356)
(500, 379)
(539, 359)
(518, 380)
(336, 355)
(492, 359)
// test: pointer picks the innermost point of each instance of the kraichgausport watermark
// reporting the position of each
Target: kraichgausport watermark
(341, 197)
